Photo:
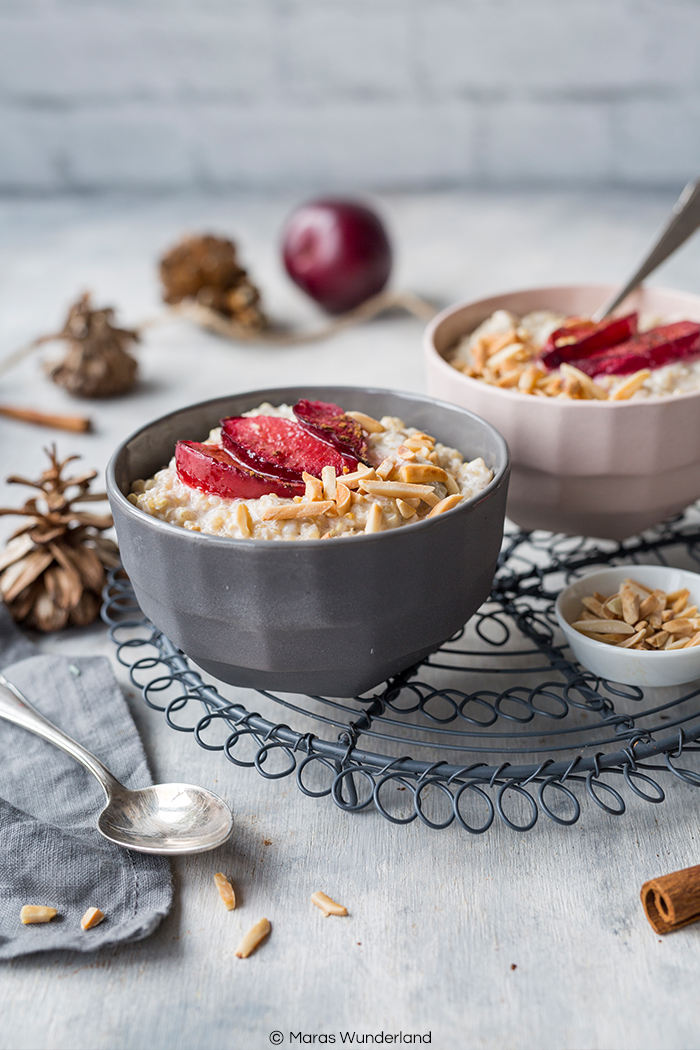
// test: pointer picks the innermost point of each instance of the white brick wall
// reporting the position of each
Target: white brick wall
(149, 94)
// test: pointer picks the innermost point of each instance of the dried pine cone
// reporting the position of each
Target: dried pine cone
(206, 269)
(52, 570)
(97, 363)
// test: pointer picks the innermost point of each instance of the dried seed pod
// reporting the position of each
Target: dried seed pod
(52, 570)
(206, 268)
(97, 363)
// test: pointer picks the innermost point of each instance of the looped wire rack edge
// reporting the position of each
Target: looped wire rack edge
(430, 708)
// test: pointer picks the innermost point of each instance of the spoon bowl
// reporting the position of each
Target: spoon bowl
(163, 818)
(166, 818)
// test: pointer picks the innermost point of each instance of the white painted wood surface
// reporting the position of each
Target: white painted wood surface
(503, 940)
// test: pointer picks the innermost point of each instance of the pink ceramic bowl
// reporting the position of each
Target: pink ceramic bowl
(594, 468)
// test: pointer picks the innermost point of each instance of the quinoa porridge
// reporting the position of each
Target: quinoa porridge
(525, 354)
(406, 477)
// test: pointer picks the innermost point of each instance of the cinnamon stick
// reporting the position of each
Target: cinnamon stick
(76, 424)
(673, 901)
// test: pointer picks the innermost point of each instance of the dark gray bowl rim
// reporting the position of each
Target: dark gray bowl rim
(201, 537)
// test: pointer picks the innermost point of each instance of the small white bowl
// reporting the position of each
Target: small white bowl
(629, 666)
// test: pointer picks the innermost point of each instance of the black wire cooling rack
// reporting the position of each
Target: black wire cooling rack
(499, 721)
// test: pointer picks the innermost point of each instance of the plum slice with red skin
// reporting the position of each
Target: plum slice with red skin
(579, 338)
(211, 469)
(652, 349)
(329, 422)
(281, 447)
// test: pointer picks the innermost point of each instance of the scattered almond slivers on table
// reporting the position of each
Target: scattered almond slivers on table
(327, 905)
(637, 617)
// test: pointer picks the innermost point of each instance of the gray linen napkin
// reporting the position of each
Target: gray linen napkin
(50, 850)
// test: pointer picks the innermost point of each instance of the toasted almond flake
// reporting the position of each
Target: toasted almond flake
(422, 474)
(679, 603)
(397, 489)
(607, 639)
(631, 386)
(343, 497)
(677, 643)
(613, 606)
(659, 639)
(451, 485)
(353, 480)
(695, 640)
(603, 626)
(681, 626)
(92, 917)
(279, 512)
(505, 355)
(36, 913)
(673, 596)
(650, 605)
(594, 606)
(327, 905)
(226, 891)
(586, 384)
(634, 640)
(374, 519)
(244, 520)
(314, 487)
(385, 468)
(329, 482)
(630, 604)
(405, 453)
(252, 939)
(641, 625)
(405, 509)
(372, 426)
(528, 379)
(510, 379)
(667, 614)
(445, 504)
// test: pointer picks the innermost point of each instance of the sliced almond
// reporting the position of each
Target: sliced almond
(613, 606)
(659, 639)
(327, 905)
(405, 509)
(680, 602)
(343, 497)
(244, 521)
(92, 917)
(226, 891)
(329, 482)
(630, 604)
(681, 626)
(372, 426)
(445, 504)
(398, 490)
(353, 480)
(385, 468)
(36, 913)
(375, 519)
(252, 939)
(603, 626)
(405, 453)
(594, 606)
(634, 640)
(650, 605)
(279, 512)
(591, 389)
(422, 474)
(677, 643)
(314, 487)
(695, 640)
(631, 385)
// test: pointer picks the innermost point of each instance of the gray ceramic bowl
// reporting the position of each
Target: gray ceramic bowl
(333, 617)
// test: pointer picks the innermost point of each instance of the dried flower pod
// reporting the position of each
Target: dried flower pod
(97, 363)
(205, 268)
(52, 570)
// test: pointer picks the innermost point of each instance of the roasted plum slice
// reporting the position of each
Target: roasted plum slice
(211, 469)
(329, 422)
(578, 338)
(280, 447)
(652, 349)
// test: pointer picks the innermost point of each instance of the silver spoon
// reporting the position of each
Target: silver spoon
(165, 818)
(683, 220)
